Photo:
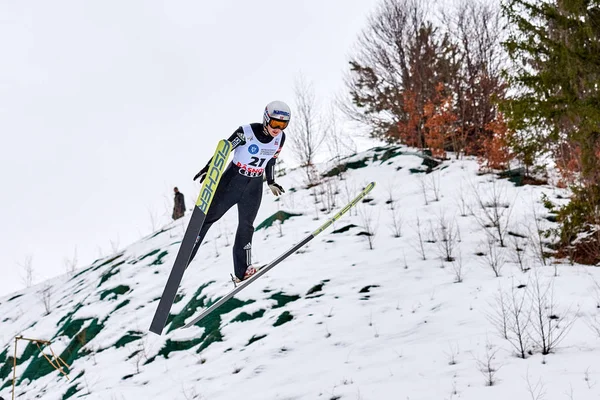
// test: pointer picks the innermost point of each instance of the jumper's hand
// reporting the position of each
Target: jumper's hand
(276, 189)
(201, 175)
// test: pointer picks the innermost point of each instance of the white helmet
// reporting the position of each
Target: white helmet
(277, 115)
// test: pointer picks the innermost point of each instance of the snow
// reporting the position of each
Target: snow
(386, 323)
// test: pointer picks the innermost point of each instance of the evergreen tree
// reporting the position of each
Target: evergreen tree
(555, 49)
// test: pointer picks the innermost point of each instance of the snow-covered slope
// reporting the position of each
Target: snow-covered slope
(339, 320)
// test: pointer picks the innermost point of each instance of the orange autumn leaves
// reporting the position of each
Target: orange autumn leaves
(434, 124)
(428, 124)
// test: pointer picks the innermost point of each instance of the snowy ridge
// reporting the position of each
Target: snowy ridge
(339, 320)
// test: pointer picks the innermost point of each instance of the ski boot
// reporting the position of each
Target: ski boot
(249, 272)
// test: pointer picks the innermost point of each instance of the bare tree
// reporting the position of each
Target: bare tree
(396, 225)
(314, 194)
(216, 243)
(46, 297)
(421, 244)
(570, 393)
(434, 179)
(594, 324)
(391, 197)
(402, 59)
(27, 270)
(383, 56)
(536, 236)
(452, 354)
(331, 191)
(446, 238)
(290, 199)
(587, 379)
(519, 251)
(487, 364)
(152, 216)
(536, 391)
(499, 317)
(430, 184)
(512, 318)
(88, 386)
(520, 318)
(190, 394)
(424, 189)
(475, 27)
(349, 193)
(140, 355)
(458, 268)
(494, 256)
(368, 223)
(306, 137)
(339, 143)
(463, 205)
(494, 212)
(114, 244)
(549, 329)
(223, 230)
(71, 263)
(279, 228)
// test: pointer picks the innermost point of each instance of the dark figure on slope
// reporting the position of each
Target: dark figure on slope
(179, 206)
(255, 150)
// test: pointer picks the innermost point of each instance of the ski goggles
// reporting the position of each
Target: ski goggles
(278, 124)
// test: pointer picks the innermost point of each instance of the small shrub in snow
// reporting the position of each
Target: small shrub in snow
(71, 263)
(447, 238)
(529, 319)
(493, 213)
(27, 271)
(494, 257)
(46, 297)
(594, 324)
(487, 365)
(549, 327)
(512, 318)
(518, 245)
(396, 224)
(457, 268)
(420, 244)
(536, 391)
(368, 223)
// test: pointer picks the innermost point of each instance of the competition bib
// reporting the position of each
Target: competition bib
(252, 158)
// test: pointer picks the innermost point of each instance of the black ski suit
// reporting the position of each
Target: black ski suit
(241, 184)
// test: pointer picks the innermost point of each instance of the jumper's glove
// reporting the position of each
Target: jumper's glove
(275, 188)
(201, 175)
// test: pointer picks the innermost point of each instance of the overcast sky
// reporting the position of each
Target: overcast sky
(105, 106)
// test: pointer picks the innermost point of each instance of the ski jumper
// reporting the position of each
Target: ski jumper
(254, 154)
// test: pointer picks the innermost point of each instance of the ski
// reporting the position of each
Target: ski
(209, 186)
(263, 270)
